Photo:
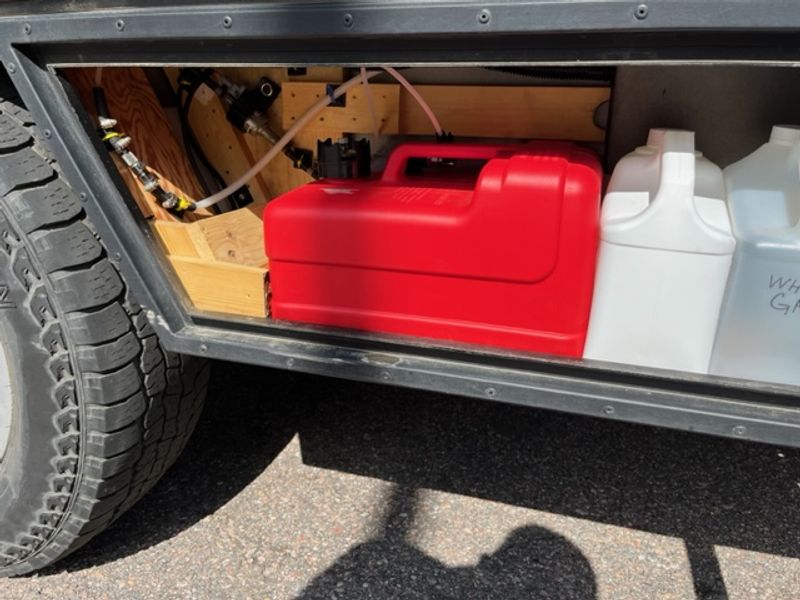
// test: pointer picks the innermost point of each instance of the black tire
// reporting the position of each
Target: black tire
(100, 410)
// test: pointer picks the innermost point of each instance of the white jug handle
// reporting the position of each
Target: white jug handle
(677, 172)
(789, 134)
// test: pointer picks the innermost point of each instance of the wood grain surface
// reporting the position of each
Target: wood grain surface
(530, 112)
(220, 260)
(223, 287)
(133, 103)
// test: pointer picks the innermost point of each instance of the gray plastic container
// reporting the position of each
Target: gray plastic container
(758, 336)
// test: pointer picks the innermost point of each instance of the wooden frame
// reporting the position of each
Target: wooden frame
(220, 259)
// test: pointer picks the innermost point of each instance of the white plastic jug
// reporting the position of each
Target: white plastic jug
(759, 330)
(665, 252)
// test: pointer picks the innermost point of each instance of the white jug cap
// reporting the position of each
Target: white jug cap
(785, 134)
(655, 137)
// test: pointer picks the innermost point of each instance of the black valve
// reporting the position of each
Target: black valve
(252, 102)
(343, 159)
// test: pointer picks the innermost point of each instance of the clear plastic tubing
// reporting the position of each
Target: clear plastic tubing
(371, 102)
(418, 97)
(281, 143)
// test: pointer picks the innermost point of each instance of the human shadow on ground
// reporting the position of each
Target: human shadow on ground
(704, 490)
(532, 562)
(707, 491)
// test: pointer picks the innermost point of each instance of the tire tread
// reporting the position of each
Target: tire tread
(126, 407)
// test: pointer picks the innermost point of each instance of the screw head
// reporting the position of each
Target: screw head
(26, 29)
(386, 376)
(608, 410)
(12, 68)
(203, 348)
(641, 11)
(491, 392)
(119, 24)
(739, 430)
(348, 20)
(484, 17)
(47, 134)
(227, 22)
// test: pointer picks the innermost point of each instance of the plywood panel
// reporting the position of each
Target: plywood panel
(506, 112)
(354, 117)
(134, 105)
(280, 176)
(225, 147)
(232, 152)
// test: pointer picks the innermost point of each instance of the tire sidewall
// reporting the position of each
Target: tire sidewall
(30, 466)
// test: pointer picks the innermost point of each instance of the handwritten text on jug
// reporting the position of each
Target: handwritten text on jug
(786, 300)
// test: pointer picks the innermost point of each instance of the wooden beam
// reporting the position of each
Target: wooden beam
(220, 260)
(506, 111)
(233, 237)
(176, 239)
(133, 103)
(465, 110)
(223, 287)
(236, 236)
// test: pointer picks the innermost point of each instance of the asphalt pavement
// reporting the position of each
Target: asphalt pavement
(298, 487)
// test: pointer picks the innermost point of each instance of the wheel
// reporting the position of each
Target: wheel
(92, 409)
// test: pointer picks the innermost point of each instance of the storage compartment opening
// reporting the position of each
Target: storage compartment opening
(462, 205)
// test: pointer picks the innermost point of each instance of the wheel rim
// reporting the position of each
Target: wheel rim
(6, 402)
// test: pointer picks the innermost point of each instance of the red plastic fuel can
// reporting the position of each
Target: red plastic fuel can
(505, 259)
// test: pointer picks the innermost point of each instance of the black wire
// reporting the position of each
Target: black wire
(190, 154)
(100, 104)
(194, 150)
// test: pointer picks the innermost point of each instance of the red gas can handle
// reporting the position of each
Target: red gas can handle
(395, 171)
